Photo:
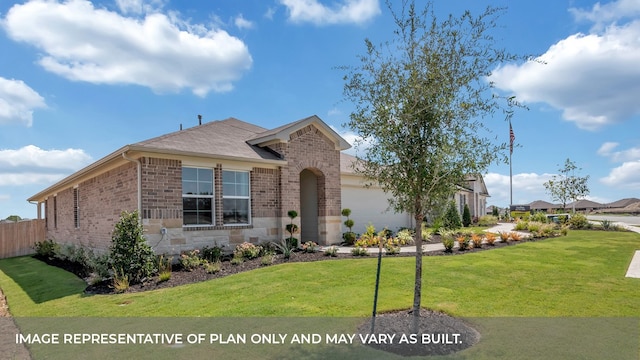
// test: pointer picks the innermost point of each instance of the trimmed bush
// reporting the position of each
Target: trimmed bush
(130, 255)
(466, 216)
(579, 221)
(451, 220)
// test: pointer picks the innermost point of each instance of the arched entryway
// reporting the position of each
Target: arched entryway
(309, 206)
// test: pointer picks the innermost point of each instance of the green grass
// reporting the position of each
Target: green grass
(567, 276)
(559, 298)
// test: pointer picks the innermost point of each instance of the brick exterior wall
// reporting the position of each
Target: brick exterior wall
(265, 192)
(161, 188)
(101, 200)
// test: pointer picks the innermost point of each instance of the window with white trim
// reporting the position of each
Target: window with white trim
(236, 206)
(197, 196)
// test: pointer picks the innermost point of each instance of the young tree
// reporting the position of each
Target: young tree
(567, 186)
(419, 104)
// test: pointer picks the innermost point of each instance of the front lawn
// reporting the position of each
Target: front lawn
(564, 298)
(581, 275)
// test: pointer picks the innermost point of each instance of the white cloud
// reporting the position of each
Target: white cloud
(30, 159)
(347, 11)
(29, 178)
(162, 52)
(594, 79)
(242, 23)
(139, 6)
(626, 175)
(606, 148)
(630, 154)
(527, 187)
(609, 12)
(18, 101)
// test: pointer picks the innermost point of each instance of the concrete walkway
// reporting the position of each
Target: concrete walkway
(633, 271)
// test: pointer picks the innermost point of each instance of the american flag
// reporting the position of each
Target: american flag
(512, 137)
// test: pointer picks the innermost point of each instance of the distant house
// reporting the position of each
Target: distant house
(223, 182)
(541, 205)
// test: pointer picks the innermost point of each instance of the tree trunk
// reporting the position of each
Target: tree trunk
(417, 291)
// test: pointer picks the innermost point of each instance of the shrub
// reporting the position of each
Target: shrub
(47, 249)
(99, 265)
(120, 281)
(164, 268)
(310, 247)
(247, 250)
(451, 220)
(504, 236)
(212, 254)
(267, 259)
(436, 227)
(237, 259)
(369, 238)
(463, 242)
(285, 247)
(521, 225)
(548, 230)
(491, 238)
(488, 220)
(331, 251)
(534, 227)
(129, 250)
(476, 239)
(349, 237)
(426, 232)
(466, 216)
(191, 260)
(539, 216)
(391, 248)
(578, 221)
(405, 237)
(606, 224)
(359, 251)
(292, 228)
(212, 267)
(448, 242)
(515, 236)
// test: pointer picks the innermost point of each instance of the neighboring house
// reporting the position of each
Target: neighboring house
(474, 194)
(224, 183)
(545, 206)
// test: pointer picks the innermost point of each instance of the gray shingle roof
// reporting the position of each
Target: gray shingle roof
(226, 138)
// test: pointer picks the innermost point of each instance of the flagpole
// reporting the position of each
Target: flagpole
(511, 138)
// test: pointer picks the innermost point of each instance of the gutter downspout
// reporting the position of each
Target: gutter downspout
(139, 167)
(38, 208)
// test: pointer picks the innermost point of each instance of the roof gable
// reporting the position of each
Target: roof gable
(282, 133)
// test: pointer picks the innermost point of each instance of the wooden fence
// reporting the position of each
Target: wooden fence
(17, 238)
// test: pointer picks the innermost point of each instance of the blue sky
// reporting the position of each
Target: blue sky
(79, 79)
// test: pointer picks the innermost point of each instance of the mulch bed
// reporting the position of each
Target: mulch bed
(180, 276)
